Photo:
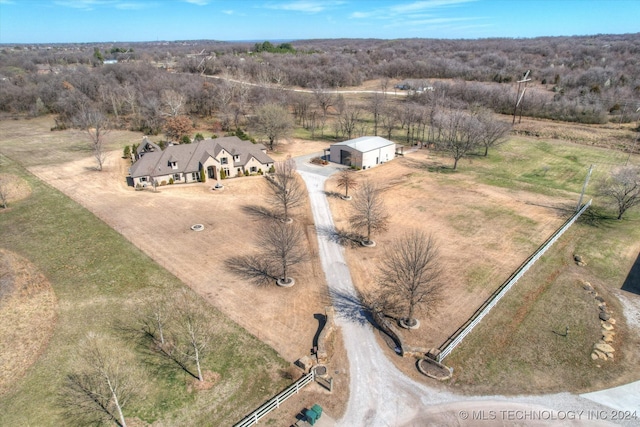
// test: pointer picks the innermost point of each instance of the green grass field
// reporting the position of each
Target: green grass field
(99, 279)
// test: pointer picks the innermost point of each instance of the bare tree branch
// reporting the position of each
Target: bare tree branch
(409, 275)
(622, 188)
(369, 212)
(102, 384)
(287, 191)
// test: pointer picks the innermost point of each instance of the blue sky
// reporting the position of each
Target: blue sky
(62, 21)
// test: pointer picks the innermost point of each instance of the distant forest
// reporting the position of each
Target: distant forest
(594, 79)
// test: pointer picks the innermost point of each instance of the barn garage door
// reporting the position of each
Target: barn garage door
(345, 157)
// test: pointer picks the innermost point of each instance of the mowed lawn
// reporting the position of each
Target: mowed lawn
(102, 282)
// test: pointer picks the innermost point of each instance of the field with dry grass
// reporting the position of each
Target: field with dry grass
(487, 217)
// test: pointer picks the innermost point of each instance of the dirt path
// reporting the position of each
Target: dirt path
(380, 395)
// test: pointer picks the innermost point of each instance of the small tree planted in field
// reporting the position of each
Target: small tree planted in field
(369, 213)
(622, 189)
(281, 249)
(286, 189)
(97, 126)
(409, 276)
(347, 179)
(101, 385)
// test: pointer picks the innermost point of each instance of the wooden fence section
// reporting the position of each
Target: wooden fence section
(274, 403)
(447, 347)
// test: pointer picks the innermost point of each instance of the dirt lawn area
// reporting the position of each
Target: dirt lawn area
(483, 232)
(160, 224)
(469, 221)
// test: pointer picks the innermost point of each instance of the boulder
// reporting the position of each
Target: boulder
(594, 356)
(607, 338)
(600, 299)
(604, 316)
(607, 326)
(587, 286)
(603, 348)
(612, 320)
(601, 355)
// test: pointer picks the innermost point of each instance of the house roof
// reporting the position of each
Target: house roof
(189, 157)
(366, 143)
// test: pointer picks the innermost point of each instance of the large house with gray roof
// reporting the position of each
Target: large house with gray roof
(183, 163)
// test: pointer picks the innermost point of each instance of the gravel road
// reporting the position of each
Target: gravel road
(380, 395)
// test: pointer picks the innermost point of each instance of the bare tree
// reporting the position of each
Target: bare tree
(347, 179)
(286, 189)
(192, 334)
(458, 134)
(369, 212)
(375, 106)
(493, 132)
(154, 320)
(173, 103)
(409, 275)
(348, 120)
(101, 385)
(283, 247)
(622, 188)
(273, 122)
(97, 126)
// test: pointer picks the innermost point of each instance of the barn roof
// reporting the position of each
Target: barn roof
(366, 143)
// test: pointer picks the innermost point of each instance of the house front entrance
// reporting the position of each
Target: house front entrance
(211, 172)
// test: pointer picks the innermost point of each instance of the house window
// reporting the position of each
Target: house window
(254, 169)
(176, 177)
(236, 158)
(174, 165)
(193, 176)
(143, 179)
(223, 160)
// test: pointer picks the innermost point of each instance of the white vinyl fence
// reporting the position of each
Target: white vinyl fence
(270, 405)
(457, 337)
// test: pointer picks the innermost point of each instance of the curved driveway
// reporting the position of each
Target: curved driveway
(381, 395)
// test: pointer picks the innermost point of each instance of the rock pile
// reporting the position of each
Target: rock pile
(603, 349)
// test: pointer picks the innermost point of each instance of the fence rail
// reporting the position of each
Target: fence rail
(275, 402)
(447, 347)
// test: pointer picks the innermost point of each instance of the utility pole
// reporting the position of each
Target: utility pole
(520, 96)
(633, 147)
(584, 188)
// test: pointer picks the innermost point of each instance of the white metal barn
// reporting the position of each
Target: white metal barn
(364, 152)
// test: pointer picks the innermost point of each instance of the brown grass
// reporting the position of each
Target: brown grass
(28, 313)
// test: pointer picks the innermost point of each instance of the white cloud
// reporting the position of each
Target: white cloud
(93, 4)
(197, 2)
(306, 6)
(407, 9)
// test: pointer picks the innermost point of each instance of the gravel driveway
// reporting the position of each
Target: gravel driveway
(380, 395)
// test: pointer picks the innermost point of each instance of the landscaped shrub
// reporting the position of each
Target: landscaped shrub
(199, 137)
(170, 181)
(223, 174)
(203, 177)
(163, 182)
(126, 153)
(246, 173)
(272, 169)
(185, 140)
